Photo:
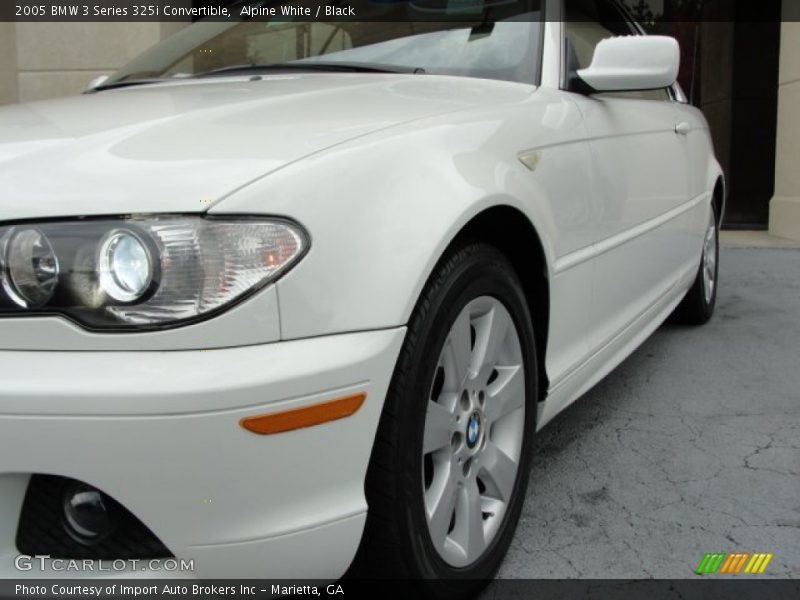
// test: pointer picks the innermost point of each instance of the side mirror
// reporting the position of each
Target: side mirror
(96, 82)
(633, 63)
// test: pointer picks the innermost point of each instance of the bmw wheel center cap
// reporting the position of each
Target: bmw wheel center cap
(473, 429)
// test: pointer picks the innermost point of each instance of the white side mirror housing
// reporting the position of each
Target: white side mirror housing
(631, 63)
(96, 82)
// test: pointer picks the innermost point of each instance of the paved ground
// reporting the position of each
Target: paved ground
(691, 446)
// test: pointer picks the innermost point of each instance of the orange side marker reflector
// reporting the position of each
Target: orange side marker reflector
(304, 417)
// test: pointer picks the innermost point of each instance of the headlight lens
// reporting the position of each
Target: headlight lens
(143, 272)
(125, 267)
(32, 272)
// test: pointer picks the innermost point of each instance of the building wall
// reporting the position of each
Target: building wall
(737, 89)
(714, 90)
(48, 60)
(8, 63)
(785, 206)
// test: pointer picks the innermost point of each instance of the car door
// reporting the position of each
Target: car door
(641, 181)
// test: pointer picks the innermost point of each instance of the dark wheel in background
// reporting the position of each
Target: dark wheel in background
(697, 307)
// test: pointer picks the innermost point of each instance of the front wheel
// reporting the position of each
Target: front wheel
(448, 475)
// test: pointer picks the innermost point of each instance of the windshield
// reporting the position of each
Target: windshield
(499, 41)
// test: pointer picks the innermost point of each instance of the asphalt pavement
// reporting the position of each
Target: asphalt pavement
(692, 445)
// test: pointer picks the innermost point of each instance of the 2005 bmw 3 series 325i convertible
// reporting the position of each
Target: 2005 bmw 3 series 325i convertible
(289, 298)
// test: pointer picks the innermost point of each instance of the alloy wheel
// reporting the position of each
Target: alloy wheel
(710, 260)
(474, 429)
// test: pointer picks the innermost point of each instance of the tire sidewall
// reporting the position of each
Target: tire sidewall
(484, 272)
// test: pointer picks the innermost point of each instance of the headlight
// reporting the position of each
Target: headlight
(125, 266)
(142, 272)
(32, 268)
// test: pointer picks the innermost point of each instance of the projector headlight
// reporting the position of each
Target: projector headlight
(125, 267)
(142, 272)
(32, 268)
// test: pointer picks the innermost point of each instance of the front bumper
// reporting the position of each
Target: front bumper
(159, 431)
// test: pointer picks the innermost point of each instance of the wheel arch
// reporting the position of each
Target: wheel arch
(719, 199)
(716, 184)
(512, 232)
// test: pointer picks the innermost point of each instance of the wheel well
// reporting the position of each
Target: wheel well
(718, 200)
(511, 232)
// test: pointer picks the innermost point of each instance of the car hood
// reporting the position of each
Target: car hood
(183, 146)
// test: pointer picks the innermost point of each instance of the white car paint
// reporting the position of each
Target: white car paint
(633, 63)
(161, 430)
(383, 171)
(184, 146)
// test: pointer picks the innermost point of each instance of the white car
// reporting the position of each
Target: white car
(284, 298)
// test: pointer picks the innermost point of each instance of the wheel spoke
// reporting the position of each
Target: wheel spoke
(506, 393)
(437, 427)
(710, 261)
(440, 513)
(460, 342)
(469, 522)
(491, 332)
(499, 472)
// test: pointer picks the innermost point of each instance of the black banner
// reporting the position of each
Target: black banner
(230, 589)
(644, 11)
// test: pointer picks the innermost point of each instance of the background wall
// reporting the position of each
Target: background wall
(8, 63)
(47, 60)
(785, 206)
(738, 92)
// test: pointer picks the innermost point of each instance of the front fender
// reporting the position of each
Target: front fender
(380, 215)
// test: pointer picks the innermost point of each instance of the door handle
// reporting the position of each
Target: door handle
(682, 128)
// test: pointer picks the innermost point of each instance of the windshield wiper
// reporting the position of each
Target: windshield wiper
(332, 67)
(125, 83)
(312, 66)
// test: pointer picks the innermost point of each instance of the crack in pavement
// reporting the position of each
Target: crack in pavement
(692, 445)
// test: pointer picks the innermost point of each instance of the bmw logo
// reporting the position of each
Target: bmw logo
(473, 429)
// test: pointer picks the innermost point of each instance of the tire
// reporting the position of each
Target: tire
(697, 306)
(412, 466)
